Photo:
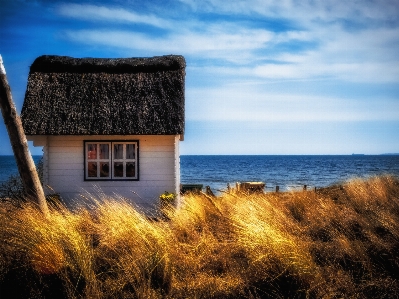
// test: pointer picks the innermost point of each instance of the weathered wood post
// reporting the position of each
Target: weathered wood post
(26, 166)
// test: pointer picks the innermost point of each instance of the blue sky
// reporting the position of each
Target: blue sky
(263, 77)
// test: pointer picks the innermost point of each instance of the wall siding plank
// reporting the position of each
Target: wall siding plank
(159, 168)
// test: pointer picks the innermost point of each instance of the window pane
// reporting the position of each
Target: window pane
(130, 151)
(92, 169)
(104, 151)
(130, 170)
(118, 151)
(104, 170)
(91, 151)
(118, 169)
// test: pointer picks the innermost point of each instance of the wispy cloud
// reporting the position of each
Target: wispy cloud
(331, 51)
(366, 56)
(107, 14)
(307, 10)
(214, 42)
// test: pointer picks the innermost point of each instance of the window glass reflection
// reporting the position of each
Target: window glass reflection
(104, 169)
(130, 169)
(130, 151)
(118, 151)
(104, 151)
(118, 169)
(91, 151)
(92, 169)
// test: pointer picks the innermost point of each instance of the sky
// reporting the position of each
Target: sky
(288, 77)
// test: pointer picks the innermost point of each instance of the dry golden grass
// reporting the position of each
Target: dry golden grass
(338, 242)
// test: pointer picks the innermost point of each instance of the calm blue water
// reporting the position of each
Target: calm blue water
(8, 166)
(288, 172)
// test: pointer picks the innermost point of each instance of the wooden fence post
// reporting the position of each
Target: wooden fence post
(26, 166)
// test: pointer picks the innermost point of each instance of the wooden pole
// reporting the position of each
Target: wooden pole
(26, 166)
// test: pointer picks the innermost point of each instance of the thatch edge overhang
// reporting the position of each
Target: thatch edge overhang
(61, 99)
(66, 64)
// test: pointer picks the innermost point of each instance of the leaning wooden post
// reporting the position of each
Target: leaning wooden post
(26, 166)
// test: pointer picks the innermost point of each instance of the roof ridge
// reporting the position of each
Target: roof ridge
(66, 64)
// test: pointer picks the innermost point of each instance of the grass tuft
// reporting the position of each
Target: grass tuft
(341, 241)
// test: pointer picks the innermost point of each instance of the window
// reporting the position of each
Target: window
(114, 160)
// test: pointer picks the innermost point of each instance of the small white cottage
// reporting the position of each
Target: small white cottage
(107, 126)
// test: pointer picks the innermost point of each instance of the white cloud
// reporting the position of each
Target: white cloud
(367, 55)
(214, 42)
(102, 13)
(304, 11)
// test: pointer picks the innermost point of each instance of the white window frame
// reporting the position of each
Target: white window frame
(111, 160)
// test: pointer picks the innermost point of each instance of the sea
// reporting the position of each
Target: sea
(8, 167)
(286, 171)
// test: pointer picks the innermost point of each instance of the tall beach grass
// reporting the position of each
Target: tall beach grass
(339, 242)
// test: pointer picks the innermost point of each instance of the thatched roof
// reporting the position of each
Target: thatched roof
(91, 96)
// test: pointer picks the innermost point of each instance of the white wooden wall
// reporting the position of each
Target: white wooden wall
(63, 159)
